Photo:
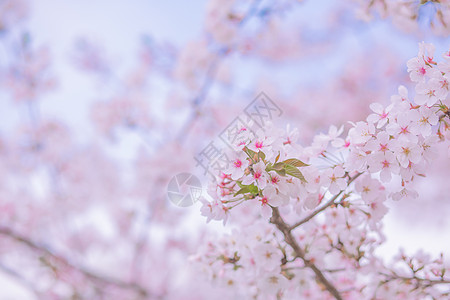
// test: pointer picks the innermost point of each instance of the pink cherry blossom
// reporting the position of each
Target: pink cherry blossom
(258, 175)
(334, 180)
(239, 164)
(361, 132)
(381, 114)
(267, 256)
(407, 152)
(428, 92)
(405, 128)
(427, 119)
(385, 163)
(418, 69)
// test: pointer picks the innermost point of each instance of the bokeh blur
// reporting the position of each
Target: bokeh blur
(103, 102)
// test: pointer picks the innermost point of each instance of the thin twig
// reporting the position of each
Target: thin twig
(95, 277)
(322, 208)
(425, 281)
(204, 90)
(210, 76)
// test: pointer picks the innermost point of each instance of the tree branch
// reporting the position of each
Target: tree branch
(286, 230)
(92, 276)
(426, 282)
(328, 204)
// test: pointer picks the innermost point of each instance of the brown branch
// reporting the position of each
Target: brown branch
(92, 276)
(278, 221)
(326, 205)
(426, 282)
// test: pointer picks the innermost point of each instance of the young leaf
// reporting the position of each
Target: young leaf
(295, 162)
(247, 189)
(253, 189)
(278, 166)
(250, 153)
(281, 172)
(293, 171)
(278, 157)
(262, 155)
(243, 190)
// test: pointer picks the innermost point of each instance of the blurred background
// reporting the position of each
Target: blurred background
(103, 102)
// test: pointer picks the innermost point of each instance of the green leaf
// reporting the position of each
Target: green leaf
(295, 162)
(262, 155)
(250, 153)
(253, 189)
(243, 190)
(281, 172)
(247, 189)
(275, 167)
(293, 171)
(278, 166)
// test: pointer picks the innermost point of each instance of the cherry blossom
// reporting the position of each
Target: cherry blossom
(427, 119)
(334, 180)
(361, 132)
(258, 176)
(349, 190)
(380, 115)
(296, 213)
(405, 128)
(239, 165)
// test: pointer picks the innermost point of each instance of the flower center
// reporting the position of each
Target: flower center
(431, 93)
(406, 150)
(264, 201)
(273, 280)
(424, 120)
(383, 147)
(237, 163)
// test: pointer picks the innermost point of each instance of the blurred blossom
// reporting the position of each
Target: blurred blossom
(92, 134)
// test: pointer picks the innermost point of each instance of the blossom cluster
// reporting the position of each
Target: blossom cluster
(262, 173)
(327, 200)
(408, 15)
(400, 139)
(305, 220)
